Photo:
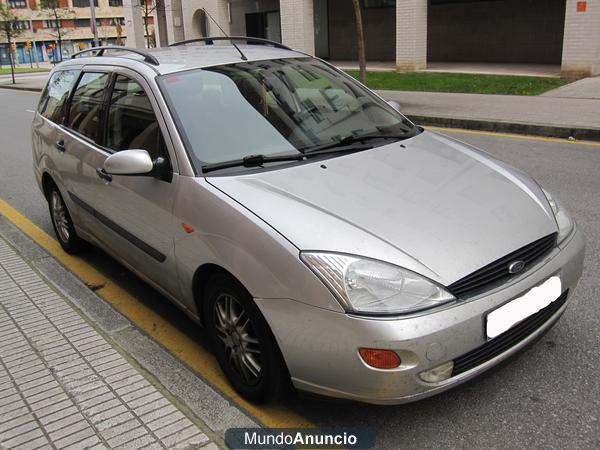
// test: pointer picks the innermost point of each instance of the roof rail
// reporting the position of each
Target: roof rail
(147, 56)
(249, 40)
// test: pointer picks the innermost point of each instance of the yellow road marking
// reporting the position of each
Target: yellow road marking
(515, 136)
(177, 342)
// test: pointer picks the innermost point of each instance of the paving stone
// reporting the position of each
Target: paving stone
(73, 438)
(139, 442)
(114, 420)
(86, 443)
(72, 423)
(15, 441)
(44, 411)
(58, 415)
(61, 379)
(36, 443)
(105, 407)
(16, 422)
(173, 428)
(12, 411)
(166, 420)
(126, 437)
(151, 406)
(190, 437)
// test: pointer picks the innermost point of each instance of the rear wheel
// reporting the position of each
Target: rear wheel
(242, 341)
(63, 224)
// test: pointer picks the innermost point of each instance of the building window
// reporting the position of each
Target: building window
(21, 25)
(17, 4)
(115, 2)
(83, 3)
(370, 4)
(51, 23)
(82, 23)
(114, 21)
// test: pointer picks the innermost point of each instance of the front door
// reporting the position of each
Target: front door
(136, 211)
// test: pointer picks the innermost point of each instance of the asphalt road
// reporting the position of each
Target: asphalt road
(549, 396)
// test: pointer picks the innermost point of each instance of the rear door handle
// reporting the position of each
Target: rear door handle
(60, 145)
(103, 174)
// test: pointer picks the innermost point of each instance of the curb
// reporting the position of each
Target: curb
(532, 129)
(20, 88)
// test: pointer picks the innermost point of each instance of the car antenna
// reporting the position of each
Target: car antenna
(244, 58)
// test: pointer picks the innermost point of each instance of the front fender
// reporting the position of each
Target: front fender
(228, 235)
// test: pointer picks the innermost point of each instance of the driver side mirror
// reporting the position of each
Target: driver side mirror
(394, 104)
(129, 162)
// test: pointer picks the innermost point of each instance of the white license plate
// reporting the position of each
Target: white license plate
(505, 317)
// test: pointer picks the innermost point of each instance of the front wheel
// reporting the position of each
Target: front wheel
(243, 342)
(63, 224)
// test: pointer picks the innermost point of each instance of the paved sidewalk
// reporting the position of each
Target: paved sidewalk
(586, 88)
(549, 116)
(63, 385)
(25, 81)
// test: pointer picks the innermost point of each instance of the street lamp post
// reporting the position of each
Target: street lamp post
(93, 23)
(35, 54)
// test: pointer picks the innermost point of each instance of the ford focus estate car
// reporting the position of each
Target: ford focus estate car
(321, 238)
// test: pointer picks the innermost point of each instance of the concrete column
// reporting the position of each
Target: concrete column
(581, 43)
(174, 19)
(134, 24)
(298, 25)
(160, 26)
(411, 35)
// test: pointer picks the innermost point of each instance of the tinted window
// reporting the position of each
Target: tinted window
(55, 95)
(132, 123)
(85, 113)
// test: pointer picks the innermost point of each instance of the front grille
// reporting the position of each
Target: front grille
(507, 339)
(498, 270)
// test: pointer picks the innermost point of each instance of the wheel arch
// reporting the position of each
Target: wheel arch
(201, 277)
(47, 182)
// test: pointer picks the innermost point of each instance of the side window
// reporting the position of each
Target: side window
(132, 123)
(55, 95)
(85, 112)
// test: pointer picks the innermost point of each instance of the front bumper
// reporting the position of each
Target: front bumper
(320, 347)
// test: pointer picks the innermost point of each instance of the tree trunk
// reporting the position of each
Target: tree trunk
(58, 34)
(362, 60)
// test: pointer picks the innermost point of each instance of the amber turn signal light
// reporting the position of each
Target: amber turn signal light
(379, 358)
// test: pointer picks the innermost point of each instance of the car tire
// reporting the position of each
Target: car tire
(63, 224)
(243, 342)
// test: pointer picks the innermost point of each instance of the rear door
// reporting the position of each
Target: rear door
(136, 211)
(76, 144)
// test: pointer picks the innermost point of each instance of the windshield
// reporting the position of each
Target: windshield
(274, 107)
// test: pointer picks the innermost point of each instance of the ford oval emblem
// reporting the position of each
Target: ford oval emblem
(516, 267)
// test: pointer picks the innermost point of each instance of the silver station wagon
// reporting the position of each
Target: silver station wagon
(320, 238)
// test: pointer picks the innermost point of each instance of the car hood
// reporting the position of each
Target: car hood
(430, 204)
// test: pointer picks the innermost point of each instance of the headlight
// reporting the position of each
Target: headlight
(374, 287)
(563, 219)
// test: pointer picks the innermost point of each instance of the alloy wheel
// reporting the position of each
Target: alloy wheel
(236, 334)
(59, 216)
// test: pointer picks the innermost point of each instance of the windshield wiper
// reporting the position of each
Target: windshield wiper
(350, 140)
(260, 160)
(251, 161)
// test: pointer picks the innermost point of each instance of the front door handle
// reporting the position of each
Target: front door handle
(60, 145)
(103, 174)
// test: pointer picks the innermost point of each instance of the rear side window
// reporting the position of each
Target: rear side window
(132, 123)
(85, 112)
(55, 95)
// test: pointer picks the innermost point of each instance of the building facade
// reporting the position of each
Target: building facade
(410, 33)
(72, 19)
